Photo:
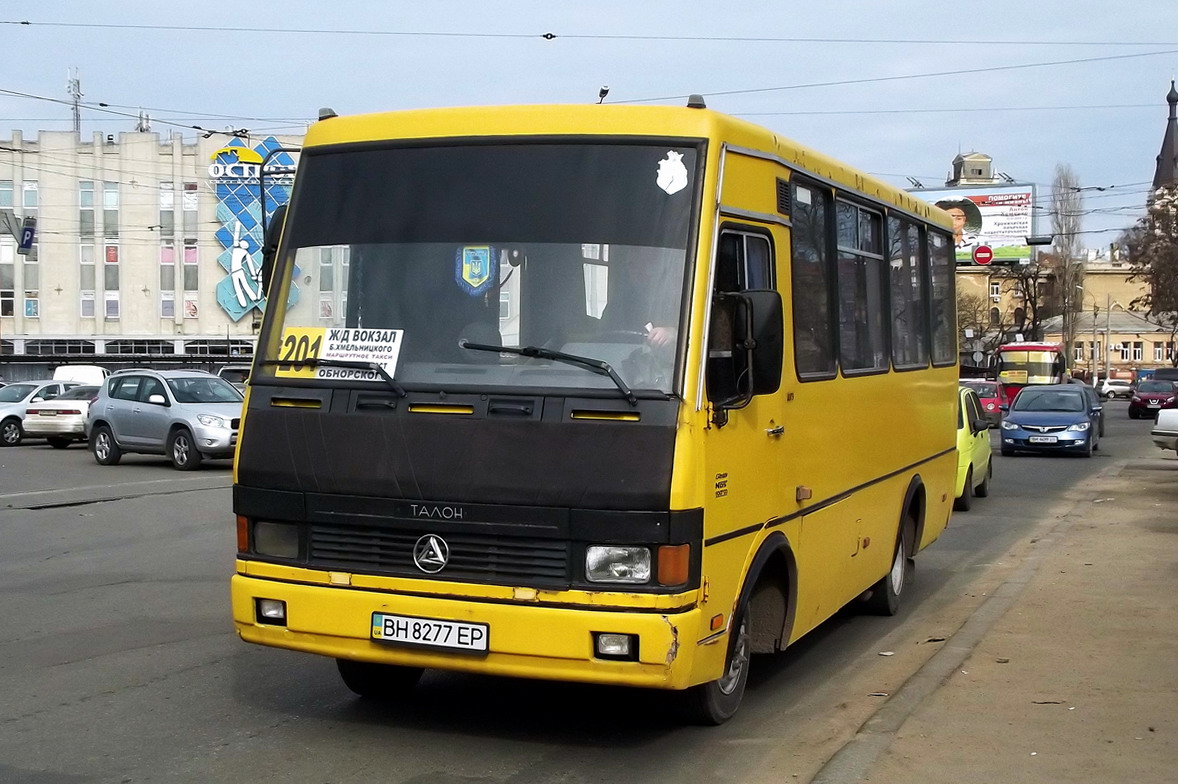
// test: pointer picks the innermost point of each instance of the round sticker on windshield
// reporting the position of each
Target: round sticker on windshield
(672, 176)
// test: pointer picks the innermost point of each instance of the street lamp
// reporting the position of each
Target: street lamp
(1092, 367)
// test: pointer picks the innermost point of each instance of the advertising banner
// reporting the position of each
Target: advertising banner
(996, 217)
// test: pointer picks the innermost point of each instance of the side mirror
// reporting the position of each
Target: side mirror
(270, 245)
(1003, 407)
(157, 400)
(981, 425)
(746, 345)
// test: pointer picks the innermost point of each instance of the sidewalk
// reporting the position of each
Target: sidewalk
(1071, 674)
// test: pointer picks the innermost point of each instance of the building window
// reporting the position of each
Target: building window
(191, 306)
(995, 317)
(1138, 350)
(1078, 351)
(50, 347)
(111, 309)
(6, 193)
(32, 304)
(86, 209)
(168, 304)
(191, 269)
(167, 225)
(110, 209)
(7, 276)
(86, 309)
(110, 268)
(188, 203)
(29, 197)
(995, 290)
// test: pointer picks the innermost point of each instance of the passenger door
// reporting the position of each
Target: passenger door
(152, 419)
(121, 410)
(980, 440)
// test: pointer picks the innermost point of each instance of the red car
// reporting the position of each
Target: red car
(990, 395)
(1150, 396)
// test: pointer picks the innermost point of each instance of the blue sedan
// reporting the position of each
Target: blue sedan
(1055, 418)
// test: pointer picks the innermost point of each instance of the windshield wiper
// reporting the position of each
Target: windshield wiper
(340, 363)
(598, 366)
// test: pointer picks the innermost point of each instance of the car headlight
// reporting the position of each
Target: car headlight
(1170, 399)
(990, 406)
(1080, 426)
(1008, 425)
(212, 420)
(617, 564)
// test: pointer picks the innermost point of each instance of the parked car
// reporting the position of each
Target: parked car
(236, 375)
(989, 395)
(974, 467)
(15, 399)
(62, 420)
(1115, 387)
(184, 414)
(1149, 397)
(84, 374)
(1052, 418)
(1165, 430)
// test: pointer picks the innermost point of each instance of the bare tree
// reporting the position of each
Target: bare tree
(1066, 263)
(1153, 257)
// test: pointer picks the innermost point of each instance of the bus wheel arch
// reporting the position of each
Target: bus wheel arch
(883, 598)
(769, 594)
(914, 509)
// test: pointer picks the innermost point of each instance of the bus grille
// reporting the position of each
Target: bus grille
(475, 557)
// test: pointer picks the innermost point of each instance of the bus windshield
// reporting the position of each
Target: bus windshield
(1033, 366)
(575, 248)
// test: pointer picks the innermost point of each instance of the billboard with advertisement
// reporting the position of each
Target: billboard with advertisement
(996, 216)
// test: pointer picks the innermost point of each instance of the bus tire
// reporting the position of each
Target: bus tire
(715, 702)
(886, 594)
(378, 681)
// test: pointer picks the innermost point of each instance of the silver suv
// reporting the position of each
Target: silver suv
(185, 414)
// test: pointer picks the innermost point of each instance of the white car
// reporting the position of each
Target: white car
(1165, 430)
(15, 399)
(62, 420)
(1116, 387)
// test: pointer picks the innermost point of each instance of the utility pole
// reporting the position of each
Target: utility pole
(74, 88)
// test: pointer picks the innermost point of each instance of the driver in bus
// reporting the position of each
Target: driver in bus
(643, 298)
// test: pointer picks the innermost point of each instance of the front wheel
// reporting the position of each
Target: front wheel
(11, 433)
(183, 452)
(716, 702)
(378, 681)
(983, 490)
(885, 594)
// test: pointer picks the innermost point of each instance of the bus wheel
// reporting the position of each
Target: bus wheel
(378, 681)
(716, 702)
(885, 594)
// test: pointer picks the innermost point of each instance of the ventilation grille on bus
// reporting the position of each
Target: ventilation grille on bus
(784, 203)
(473, 556)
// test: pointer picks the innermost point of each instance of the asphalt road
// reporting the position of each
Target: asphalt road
(118, 661)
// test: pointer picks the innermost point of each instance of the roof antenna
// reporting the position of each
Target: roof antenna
(604, 91)
(696, 101)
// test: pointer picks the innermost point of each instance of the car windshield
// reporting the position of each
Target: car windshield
(1044, 400)
(1164, 387)
(406, 255)
(983, 389)
(238, 375)
(14, 393)
(203, 390)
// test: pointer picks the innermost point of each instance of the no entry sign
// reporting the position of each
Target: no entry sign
(982, 254)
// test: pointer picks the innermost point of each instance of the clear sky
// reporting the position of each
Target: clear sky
(897, 88)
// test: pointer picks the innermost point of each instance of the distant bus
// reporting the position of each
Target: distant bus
(1027, 363)
(616, 395)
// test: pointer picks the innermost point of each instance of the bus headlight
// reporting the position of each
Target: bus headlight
(617, 564)
(280, 540)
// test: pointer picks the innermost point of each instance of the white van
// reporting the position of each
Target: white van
(84, 374)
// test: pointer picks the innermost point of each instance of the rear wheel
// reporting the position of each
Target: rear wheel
(57, 442)
(885, 594)
(983, 490)
(102, 444)
(378, 681)
(964, 501)
(11, 433)
(183, 452)
(716, 702)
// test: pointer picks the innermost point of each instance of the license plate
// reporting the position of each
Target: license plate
(1155, 405)
(1042, 439)
(47, 413)
(430, 632)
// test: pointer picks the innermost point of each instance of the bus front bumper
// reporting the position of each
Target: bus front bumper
(527, 641)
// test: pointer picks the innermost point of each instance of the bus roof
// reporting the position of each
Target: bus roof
(583, 120)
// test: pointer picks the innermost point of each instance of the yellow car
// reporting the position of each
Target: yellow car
(973, 451)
